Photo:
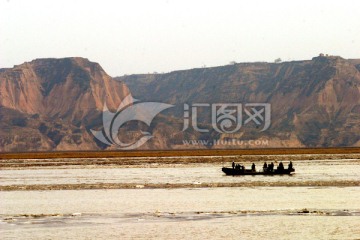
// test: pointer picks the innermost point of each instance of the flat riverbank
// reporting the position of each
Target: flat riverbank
(172, 153)
(145, 162)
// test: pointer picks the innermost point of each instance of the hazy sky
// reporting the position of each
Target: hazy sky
(133, 36)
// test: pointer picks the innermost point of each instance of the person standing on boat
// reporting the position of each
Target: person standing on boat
(265, 167)
(290, 165)
(281, 166)
(253, 167)
(233, 165)
(271, 167)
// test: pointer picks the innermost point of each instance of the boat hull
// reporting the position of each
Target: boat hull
(233, 172)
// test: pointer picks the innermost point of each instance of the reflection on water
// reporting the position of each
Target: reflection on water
(196, 213)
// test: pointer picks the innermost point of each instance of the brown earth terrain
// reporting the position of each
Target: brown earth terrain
(53, 104)
(172, 153)
(314, 103)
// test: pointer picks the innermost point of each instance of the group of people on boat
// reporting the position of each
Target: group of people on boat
(280, 167)
(237, 166)
(266, 167)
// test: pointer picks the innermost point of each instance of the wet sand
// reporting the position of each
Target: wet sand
(181, 153)
(144, 161)
(179, 185)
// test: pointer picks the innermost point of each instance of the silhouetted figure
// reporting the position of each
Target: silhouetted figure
(253, 167)
(265, 166)
(281, 166)
(233, 165)
(290, 165)
(271, 167)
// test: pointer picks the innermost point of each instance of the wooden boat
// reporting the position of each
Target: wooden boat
(233, 172)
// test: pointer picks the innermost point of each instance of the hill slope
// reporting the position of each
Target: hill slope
(313, 103)
(50, 104)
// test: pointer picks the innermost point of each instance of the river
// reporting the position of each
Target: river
(257, 211)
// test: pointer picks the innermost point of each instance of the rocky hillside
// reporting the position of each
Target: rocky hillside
(53, 104)
(50, 104)
(314, 103)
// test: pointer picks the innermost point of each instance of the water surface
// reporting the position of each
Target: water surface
(252, 212)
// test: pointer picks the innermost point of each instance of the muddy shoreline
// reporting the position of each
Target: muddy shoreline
(141, 162)
(172, 153)
(46, 187)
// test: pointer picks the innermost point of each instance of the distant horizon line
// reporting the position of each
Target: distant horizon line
(276, 61)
